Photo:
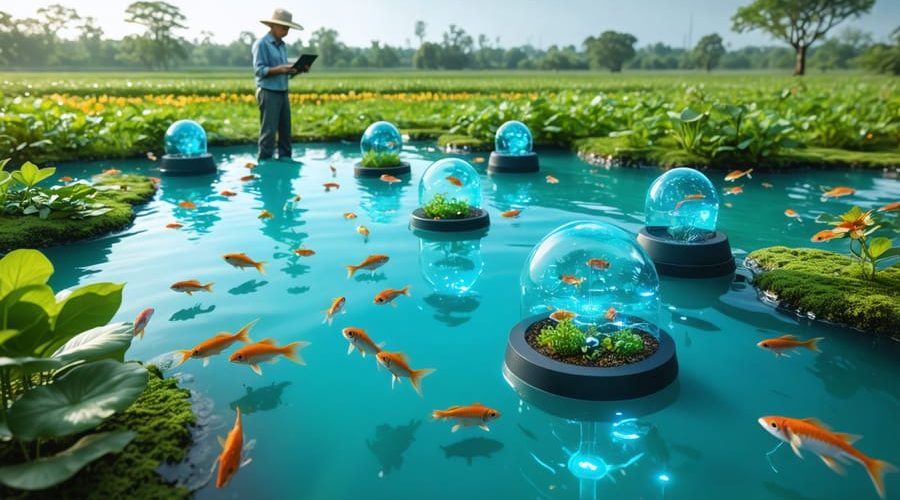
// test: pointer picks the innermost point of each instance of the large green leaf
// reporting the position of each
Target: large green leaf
(879, 245)
(28, 365)
(103, 342)
(49, 471)
(77, 401)
(26, 310)
(23, 267)
(87, 307)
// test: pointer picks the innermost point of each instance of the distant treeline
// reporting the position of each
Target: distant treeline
(33, 43)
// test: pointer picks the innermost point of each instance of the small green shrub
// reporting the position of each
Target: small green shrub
(624, 342)
(441, 208)
(20, 195)
(564, 338)
(374, 159)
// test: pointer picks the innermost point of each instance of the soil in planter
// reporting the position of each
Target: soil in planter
(608, 359)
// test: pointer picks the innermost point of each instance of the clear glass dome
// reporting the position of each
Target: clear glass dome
(684, 203)
(452, 179)
(595, 270)
(185, 138)
(451, 266)
(381, 138)
(513, 138)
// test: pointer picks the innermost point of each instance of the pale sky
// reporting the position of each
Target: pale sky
(539, 22)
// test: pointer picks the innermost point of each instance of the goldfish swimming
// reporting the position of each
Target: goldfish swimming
(151, 156)
(329, 185)
(390, 179)
(337, 305)
(787, 343)
(552, 180)
(230, 458)
(66, 178)
(247, 178)
(454, 180)
(363, 230)
(511, 213)
(735, 190)
(360, 341)
(372, 262)
(690, 197)
(790, 212)
(767, 185)
(304, 252)
(174, 225)
(388, 295)
(737, 174)
(227, 193)
(561, 315)
(241, 260)
(475, 414)
(571, 280)
(216, 344)
(478, 159)
(190, 286)
(250, 165)
(141, 321)
(825, 235)
(111, 172)
(397, 364)
(834, 448)
(610, 314)
(598, 264)
(187, 204)
(838, 192)
(890, 207)
(349, 215)
(265, 214)
(266, 350)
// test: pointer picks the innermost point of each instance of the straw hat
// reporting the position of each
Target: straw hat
(282, 17)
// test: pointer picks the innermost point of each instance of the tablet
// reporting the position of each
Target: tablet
(304, 62)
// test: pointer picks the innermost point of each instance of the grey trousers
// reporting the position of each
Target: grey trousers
(274, 117)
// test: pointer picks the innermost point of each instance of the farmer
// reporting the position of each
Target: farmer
(270, 64)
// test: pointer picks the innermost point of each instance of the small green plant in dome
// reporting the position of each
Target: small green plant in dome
(564, 338)
(624, 342)
(442, 208)
(374, 159)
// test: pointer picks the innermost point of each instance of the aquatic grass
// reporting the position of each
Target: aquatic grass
(440, 207)
(374, 159)
(564, 338)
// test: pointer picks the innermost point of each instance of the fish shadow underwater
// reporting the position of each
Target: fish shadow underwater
(263, 398)
(191, 312)
(471, 448)
(390, 443)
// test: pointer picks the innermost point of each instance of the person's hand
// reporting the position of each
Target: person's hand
(285, 69)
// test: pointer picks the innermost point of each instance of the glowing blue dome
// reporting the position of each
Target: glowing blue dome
(185, 138)
(595, 270)
(452, 179)
(513, 138)
(451, 266)
(381, 138)
(685, 203)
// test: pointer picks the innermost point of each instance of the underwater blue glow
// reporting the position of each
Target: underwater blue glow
(451, 266)
(382, 138)
(513, 138)
(684, 202)
(664, 478)
(442, 177)
(587, 267)
(185, 138)
(584, 466)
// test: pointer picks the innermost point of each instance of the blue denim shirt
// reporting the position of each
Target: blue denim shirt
(268, 53)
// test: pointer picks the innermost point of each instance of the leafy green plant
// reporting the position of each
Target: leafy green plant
(860, 228)
(20, 195)
(688, 127)
(623, 342)
(564, 338)
(374, 159)
(439, 207)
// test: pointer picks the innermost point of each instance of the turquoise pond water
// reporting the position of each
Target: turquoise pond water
(335, 429)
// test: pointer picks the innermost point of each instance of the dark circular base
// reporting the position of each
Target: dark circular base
(360, 171)
(701, 259)
(193, 165)
(422, 222)
(586, 382)
(513, 164)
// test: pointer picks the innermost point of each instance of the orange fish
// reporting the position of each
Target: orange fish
(371, 263)
(832, 447)
(475, 414)
(266, 350)
(337, 305)
(825, 235)
(767, 185)
(141, 321)
(737, 174)
(151, 156)
(571, 280)
(66, 178)
(890, 207)
(363, 230)
(735, 190)
(250, 165)
(265, 214)
(216, 344)
(397, 364)
(727, 205)
(598, 264)
(155, 180)
(360, 341)
(388, 295)
(187, 204)
(690, 197)
(227, 193)
(790, 212)
(552, 180)
(390, 179)
(240, 260)
(329, 185)
(788, 343)
(248, 178)
(349, 215)
(190, 286)
(454, 180)
(304, 252)
(111, 172)
(333, 170)
(478, 159)
(610, 314)
(511, 213)
(561, 315)
(838, 192)
(230, 458)
(174, 225)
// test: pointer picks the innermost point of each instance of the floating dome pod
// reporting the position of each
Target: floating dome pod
(450, 198)
(186, 152)
(380, 146)
(596, 271)
(512, 150)
(681, 210)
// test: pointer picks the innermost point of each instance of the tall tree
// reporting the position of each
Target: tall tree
(428, 56)
(611, 50)
(9, 36)
(708, 51)
(797, 22)
(882, 57)
(420, 31)
(159, 46)
(325, 41)
(457, 48)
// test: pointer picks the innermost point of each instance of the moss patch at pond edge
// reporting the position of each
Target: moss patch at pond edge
(830, 286)
(33, 232)
(161, 417)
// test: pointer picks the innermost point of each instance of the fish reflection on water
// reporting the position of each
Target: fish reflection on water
(260, 399)
(390, 443)
(191, 312)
